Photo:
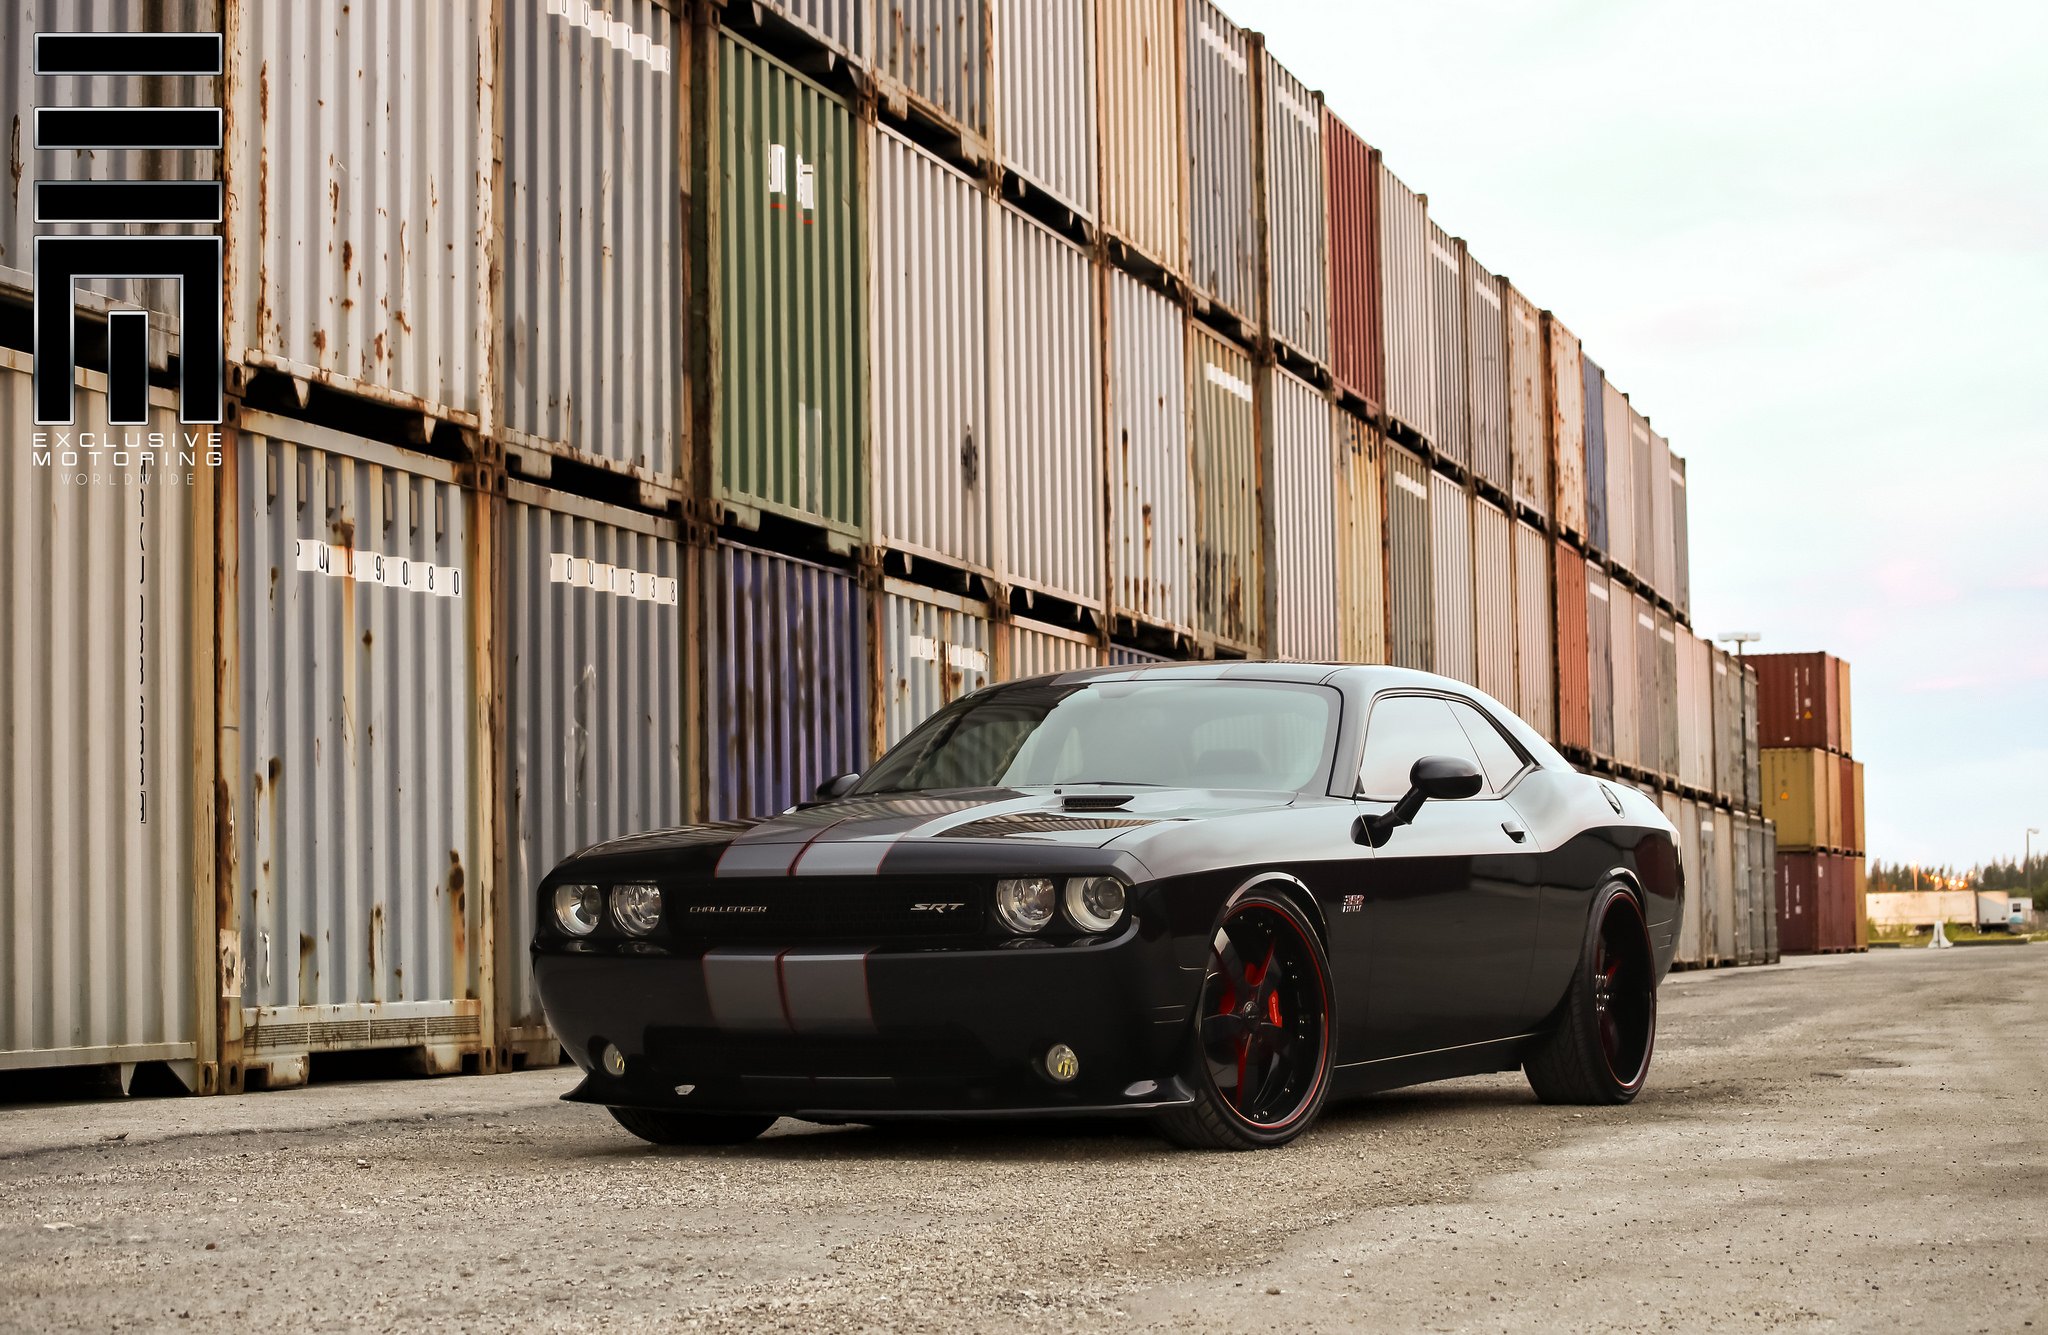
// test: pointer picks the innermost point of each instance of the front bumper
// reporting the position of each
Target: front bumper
(858, 1035)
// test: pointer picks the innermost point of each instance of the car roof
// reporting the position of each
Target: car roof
(1357, 676)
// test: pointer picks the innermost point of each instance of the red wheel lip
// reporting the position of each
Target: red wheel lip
(1634, 1083)
(1311, 1100)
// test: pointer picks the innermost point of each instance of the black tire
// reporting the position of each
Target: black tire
(1597, 1049)
(1262, 1044)
(668, 1128)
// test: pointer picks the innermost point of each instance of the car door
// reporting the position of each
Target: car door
(1450, 899)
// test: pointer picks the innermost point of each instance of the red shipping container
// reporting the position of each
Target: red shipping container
(1801, 877)
(1574, 687)
(1352, 198)
(1798, 700)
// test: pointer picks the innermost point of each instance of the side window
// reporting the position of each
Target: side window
(1498, 756)
(1401, 730)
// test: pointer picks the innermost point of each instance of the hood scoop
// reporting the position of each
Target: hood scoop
(1096, 802)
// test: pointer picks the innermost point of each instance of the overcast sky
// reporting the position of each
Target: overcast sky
(1811, 241)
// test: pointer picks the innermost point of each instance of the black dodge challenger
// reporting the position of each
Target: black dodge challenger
(1217, 895)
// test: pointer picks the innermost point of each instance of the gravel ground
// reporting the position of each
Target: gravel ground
(1848, 1142)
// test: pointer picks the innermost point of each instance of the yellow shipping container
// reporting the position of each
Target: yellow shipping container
(1803, 794)
(1858, 833)
(1842, 693)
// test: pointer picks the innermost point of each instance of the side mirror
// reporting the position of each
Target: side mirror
(839, 785)
(1444, 778)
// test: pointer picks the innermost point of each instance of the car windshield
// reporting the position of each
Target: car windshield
(1196, 734)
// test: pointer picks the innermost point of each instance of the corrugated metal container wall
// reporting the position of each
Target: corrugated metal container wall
(1752, 752)
(1701, 704)
(97, 681)
(1410, 614)
(938, 51)
(22, 91)
(360, 209)
(1122, 655)
(1228, 553)
(1663, 547)
(786, 669)
(1621, 505)
(1047, 409)
(1800, 881)
(787, 285)
(1798, 700)
(593, 647)
(1447, 346)
(1767, 861)
(1681, 561)
(1797, 796)
(593, 235)
(1151, 496)
(1599, 663)
(1692, 912)
(1361, 543)
(1566, 395)
(1031, 649)
(1844, 731)
(1727, 706)
(1535, 654)
(1528, 406)
(1493, 597)
(1713, 886)
(1649, 696)
(1845, 802)
(1727, 914)
(1141, 119)
(1593, 401)
(1621, 644)
(928, 358)
(1667, 694)
(1298, 276)
(1742, 871)
(1304, 520)
(1574, 695)
(1450, 568)
(1685, 686)
(1045, 97)
(1222, 210)
(1407, 326)
(1644, 550)
(933, 649)
(357, 792)
(1351, 181)
(845, 25)
(1486, 374)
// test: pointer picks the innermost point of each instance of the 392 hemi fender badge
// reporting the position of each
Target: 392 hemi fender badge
(1353, 904)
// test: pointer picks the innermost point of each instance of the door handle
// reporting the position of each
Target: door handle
(1514, 830)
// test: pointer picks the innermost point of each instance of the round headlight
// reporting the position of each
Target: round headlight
(1095, 903)
(577, 909)
(1025, 905)
(636, 908)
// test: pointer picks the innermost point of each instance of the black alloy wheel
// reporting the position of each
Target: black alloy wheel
(1598, 1048)
(1263, 1044)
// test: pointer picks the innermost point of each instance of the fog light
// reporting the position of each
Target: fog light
(636, 908)
(577, 909)
(612, 1060)
(1061, 1063)
(1025, 905)
(1095, 903)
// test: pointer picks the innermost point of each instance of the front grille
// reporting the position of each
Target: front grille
(800, 910)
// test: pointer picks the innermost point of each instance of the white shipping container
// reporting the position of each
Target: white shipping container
(1151, 498)
(1493, 596)
(1222, 208)
(934, 648)
(1450, 564)
(1361, 543)
(1407, 318)
(1621, 649)
(1302, 513)
(1032, 649)
(1621, 527)
(1142, 119)
(1045, 97)
(1536, 669)
(1297, 272)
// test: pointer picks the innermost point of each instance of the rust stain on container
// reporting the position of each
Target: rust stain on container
(1354, 240)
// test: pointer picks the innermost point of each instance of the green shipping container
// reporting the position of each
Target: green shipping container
(787, 236)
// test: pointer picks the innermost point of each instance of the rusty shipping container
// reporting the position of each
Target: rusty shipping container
(1229, 553)
(1667, 695)
(1620, 455)
(106, 906)
(1454, 650)
(1767, 860)
(1707, 880)
(362, 646)
(1493, 598)
(1361, 542)
(1407, 326)
(1644, 551)
(1727, 726)
(1798, 700)
(593, 618)
(1222, 206)
(1683, 689)
(1033, 648)
(1351, 180)
(1297, 268)
(1621, 645)
(1741, 839)
(1699, 704)
(1301, 519)
(593, 246)
(1574, 691)
(1565, 394)
(1842, 711)
(1411, 614)
(1651, 688)
(1528, 406)
(1448, 345)
(786, 289)
(927, 271)
(1727, 912)
(1535, 651)
(785, 680)
(1752, 748)
(361, 198)
(1593, 402)
(1044, 64)
(845, 27)
(930, 649)
(1046, 394)
(936, 52)
(1848, 835)
(1663, 543)
(1692, 911)
(1150, 488)
(1681, 539)
(1142, 118)
(1486, 378)
(1599, 663)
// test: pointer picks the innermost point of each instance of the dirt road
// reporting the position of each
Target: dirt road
(1841, 1143)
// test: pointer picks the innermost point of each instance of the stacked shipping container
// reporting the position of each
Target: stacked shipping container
(1813, 789)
